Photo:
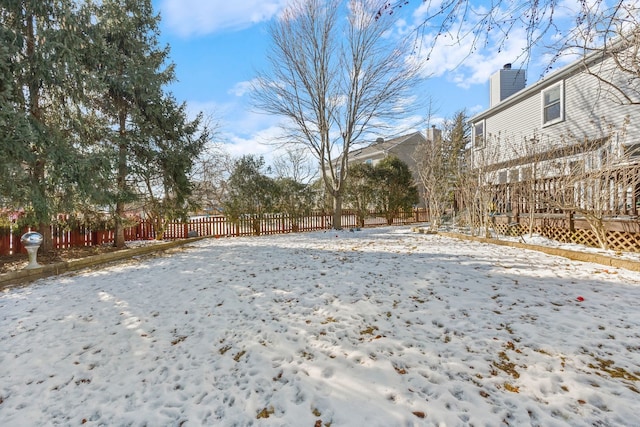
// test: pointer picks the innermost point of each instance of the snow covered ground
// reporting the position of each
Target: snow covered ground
(380, 327)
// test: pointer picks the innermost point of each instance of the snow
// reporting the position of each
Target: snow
(379, 327)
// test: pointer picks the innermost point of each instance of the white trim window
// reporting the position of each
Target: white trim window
(478, 134)
(553, 104)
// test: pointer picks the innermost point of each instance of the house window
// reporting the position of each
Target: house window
(369, 162)
(478, 134)
(553, 104)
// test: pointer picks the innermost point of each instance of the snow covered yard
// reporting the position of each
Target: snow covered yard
(381, 327)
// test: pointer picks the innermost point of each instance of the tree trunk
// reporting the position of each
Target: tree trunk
(159, 227)
(337, 211)
(600, 230)
(35, 110)
(255, 224)
(44, 224)
(47, 239)
(121, 179)
(118, 239)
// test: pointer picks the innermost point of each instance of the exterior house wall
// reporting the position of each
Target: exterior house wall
(574, 159)
(582, 165)
(406, 151)
(514, 128)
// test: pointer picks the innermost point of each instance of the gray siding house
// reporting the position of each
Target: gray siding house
(403, 147)
(571, 117)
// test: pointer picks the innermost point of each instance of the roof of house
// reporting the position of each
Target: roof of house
(382, 147)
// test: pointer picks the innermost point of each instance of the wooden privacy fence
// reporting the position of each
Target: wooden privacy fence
(217, 226)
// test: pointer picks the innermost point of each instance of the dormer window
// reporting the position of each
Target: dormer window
(553, 104)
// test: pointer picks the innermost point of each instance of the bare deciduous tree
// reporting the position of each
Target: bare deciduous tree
(591, 23)
(295, 164)
(595, 179)
(210, 176)
(434, 173)
(615, 60)
(521, 182)
(334, 76)
(477, 184)
(440, 163)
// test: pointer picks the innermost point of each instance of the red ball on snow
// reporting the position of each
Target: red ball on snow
(580, 299)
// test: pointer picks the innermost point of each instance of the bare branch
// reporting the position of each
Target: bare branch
(333, 80)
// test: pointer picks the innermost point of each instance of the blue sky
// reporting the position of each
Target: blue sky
(217, 47)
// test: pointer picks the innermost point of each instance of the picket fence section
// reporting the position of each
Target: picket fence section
(215, 226)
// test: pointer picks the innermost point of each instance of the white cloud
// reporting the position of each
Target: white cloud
(242, 88)
(260, 144)
(476, 109)
(208, 109)
(238, 146)
(240, 130)
(463, 62)
(196, 17)
(246, 132)
(466, 62)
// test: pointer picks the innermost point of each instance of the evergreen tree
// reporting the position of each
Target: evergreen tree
(395, 190)
(41, 114)
(13, 124)
(131, 68)
(360, 190)
(250, 191)
(458, 137)
(294, 199)
(164, 159)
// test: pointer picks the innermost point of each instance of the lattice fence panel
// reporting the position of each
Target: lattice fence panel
(554, 233)
(617, 240)
(513, 229)
(585, 237)
(500, 228)
(623, 241)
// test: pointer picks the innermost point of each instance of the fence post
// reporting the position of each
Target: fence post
(571, 222)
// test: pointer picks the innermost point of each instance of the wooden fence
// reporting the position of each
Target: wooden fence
(622, 233)
(218, 226)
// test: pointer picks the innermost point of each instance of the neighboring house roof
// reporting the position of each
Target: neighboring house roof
(381, 148)
(402, 147)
